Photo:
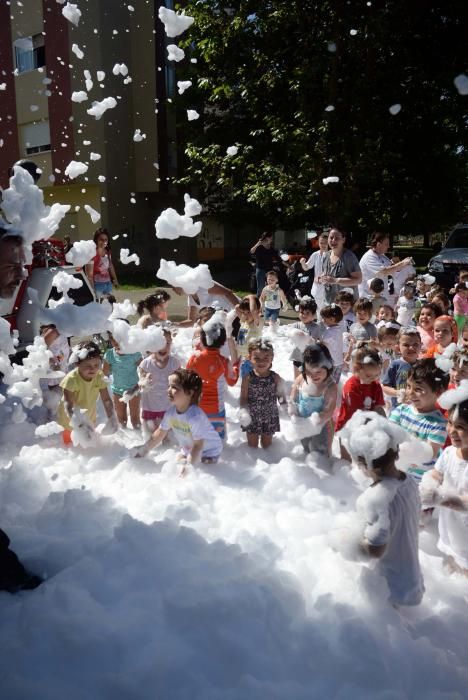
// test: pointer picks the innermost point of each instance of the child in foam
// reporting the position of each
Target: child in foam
(155, 306)
(272, 298)
(445, 333)
(394, 379)
(389, 507)
(82, 387)
(459, 369)
(59, 346)
(345, 301)
(250, 329)
(421, 417)
(362, 390)
(154, 372)
(446, 485)
(123, 367)
(428, 314)
(406, 304)
(197, 438)
(376, 287)
(306, 310)
(331, 335)
(314, 394)
(387, 336)
(363, 329)
(215, 371)
(260, 390)
(460, 305)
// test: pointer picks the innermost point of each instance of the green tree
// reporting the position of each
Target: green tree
(304, 89)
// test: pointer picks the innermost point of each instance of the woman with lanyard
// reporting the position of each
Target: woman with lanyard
(340, 267)
(266, 259)
(375, 263)
(315, 262)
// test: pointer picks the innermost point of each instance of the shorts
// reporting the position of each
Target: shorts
(271, 314)
(218, 421)
(103, 288)
(152, 415)
(245, 368)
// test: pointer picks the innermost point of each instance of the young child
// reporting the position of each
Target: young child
(441, 300)
(363, 329)
(59, 346)
(215, 372)
(123, 367)
(446, 485)
(204, 314)
(420, 417)
(377, 286)
(445, 333)
(394, 379)
(387, 336)
(154, 372)
(331, 335)
(362, 390)
(389, 509)
(194, 433)
(314, 393)
(82, 388)
(460, 305)
(406, 304)
(306, 310)
(272, 298)
(260, 391)
(459, 369)
(426, 319)
(385, 314)
(156, 307)
(345, 301)
(250, 329)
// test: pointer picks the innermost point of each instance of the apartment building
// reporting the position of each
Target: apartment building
(44, 60)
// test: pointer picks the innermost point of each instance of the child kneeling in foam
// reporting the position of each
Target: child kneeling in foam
(389, 507)
(191, 427)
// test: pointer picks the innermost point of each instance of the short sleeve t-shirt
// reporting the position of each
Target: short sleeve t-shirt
(155, 398)
(271, 298)
(265, 258)
(124, 369)
(390, 510)
(312, 329)
(363, 331)
(85, 394)
(101, 268)
(190, 426)
(429, 427)
(358, 396)
(343, 267)
(396, 376)
(453, 525)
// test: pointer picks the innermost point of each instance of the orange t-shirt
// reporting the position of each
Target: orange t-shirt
(215, 371)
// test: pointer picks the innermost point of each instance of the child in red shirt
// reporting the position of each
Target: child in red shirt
(362, 390)
(215, 371)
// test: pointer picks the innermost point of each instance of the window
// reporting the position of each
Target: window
(29, 53)
(35, 137)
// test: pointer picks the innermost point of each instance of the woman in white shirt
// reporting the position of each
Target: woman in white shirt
(315, 262)
(375, 263)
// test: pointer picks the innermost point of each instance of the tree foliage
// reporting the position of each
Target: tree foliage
(304, 90)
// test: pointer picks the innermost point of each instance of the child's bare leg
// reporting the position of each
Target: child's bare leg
(266, 440)
(134, 406)
(252, 439)
(120, 410)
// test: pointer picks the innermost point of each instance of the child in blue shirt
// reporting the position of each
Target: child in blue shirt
(123, 367)
(394, 379)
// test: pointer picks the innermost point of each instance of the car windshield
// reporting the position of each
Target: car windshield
(458, 239)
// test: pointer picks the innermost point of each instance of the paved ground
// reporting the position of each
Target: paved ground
(178, 305)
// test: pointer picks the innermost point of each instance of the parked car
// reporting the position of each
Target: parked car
(446, 265)
(48, 259)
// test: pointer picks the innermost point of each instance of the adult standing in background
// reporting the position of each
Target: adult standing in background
(315, 262)
(266, 259)
(100, 270)
(375, 263)
(340, 267)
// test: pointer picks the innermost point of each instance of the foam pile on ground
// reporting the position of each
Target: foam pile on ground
(81, 253)
(188, 278)
(23, 206)
(220, 585)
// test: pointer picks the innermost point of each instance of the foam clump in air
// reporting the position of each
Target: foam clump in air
(120, 69)
(23, 206)
(98, 108)
(461, 83)
(174, 24)
(79, 96)
(75, 168)
(192, 115)
(77, 51)
(192, 207)
(24, 380)
(174, 53)
(72, 13)
(126, 258)
(170, 224)
(214, 326)
(187, 278)
(75, 320)
(330, 180)
(138, 136)
(63, 282)
(135, 339)
(395, 109)
(123, 309)
(232, 150)
(95, 215)
(370, 436)
(444, 361)
(81, 253)
(183, 85)
(452, 397)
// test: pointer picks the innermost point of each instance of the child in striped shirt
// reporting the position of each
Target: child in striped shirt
(421, 417)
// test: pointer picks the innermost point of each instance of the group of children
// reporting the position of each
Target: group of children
(394, 371)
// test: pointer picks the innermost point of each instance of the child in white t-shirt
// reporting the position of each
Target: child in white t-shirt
(272, 298)
(331, 335)
(389, 507)
(154, 372)
(447, 484)
(191, 427)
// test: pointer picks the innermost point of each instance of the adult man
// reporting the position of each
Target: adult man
(375, 263)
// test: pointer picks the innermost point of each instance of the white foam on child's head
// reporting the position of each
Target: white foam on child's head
(453, 397)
